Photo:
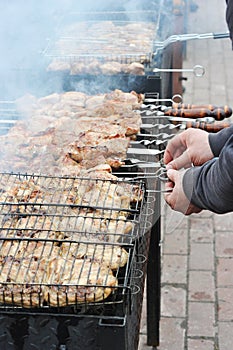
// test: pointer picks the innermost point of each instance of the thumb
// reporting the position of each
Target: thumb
(172, 174)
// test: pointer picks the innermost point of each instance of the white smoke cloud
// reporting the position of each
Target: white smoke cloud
(25, 27)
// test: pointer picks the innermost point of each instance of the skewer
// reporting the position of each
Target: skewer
(161, 135)
(8, 121)
(217, 114)
(147, 143)
(172, 100)
(181, 120)
(144, 151)
(210, 107)
(160, 45)
(197, 70)
(186, 110)
(214, 127)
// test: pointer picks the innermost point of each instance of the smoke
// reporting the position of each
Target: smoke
(25, 27)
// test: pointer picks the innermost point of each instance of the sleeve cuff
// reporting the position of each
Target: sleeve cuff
(189, 182)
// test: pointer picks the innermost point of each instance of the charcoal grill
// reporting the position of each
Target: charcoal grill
(25, 220)
(40, 212)
(113, 321)
(105, 322)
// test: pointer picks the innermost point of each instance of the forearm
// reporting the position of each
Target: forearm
(210, 186)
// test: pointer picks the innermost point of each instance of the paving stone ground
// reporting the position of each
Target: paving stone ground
(197, 251)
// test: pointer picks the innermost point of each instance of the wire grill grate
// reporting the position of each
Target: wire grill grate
(57, 252)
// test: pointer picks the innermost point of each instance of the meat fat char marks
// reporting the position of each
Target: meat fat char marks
(20, 281)
(79, 281)
(77, 68)
(88, 157)
(29, 226)
(25, 191)
(73, 120)
(129, 121)
(69, 167)
(24, 198)
(111, 68)
(106, 255)
(110, 151)
(40, 227)
(103, 194)
(130, 40)
(95, 67)
(14, 190)
(89, 227)
(21, 249)
(8, 220)
(97, 192)
(118, 96)
(103, 170)
(129, 189)
(95, 136)
(98, 189)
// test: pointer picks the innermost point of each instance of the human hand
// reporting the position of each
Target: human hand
(189, 147)
(177, 199)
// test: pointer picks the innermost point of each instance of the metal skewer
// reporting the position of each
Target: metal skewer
(172, 100)
(197, 70)
(180, 119)
(160, 45)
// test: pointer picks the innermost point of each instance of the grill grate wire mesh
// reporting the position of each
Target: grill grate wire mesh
(41, 236)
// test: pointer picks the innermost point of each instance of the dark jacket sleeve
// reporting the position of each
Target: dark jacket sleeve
(218, 140)
(229, 18)
(210, 186)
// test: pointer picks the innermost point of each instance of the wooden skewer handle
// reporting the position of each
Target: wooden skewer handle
(214, 127)
(217, 114)
(227, 109)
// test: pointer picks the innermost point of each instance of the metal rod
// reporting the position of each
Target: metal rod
(8, 121)
(181, 120)
(186, 37)
(153, 285)
(160, 135)
(173, 99)
(142, 163)
(197, 70)
(73, 205)
(144, 151)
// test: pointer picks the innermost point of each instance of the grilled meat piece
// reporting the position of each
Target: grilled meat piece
(110, 151)
(59, 66)
(57, 120)
(106, 255)
(130, 43)
(65, 244)
(21, 249)
(21, 281)
(79, 281)
(89, 226)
